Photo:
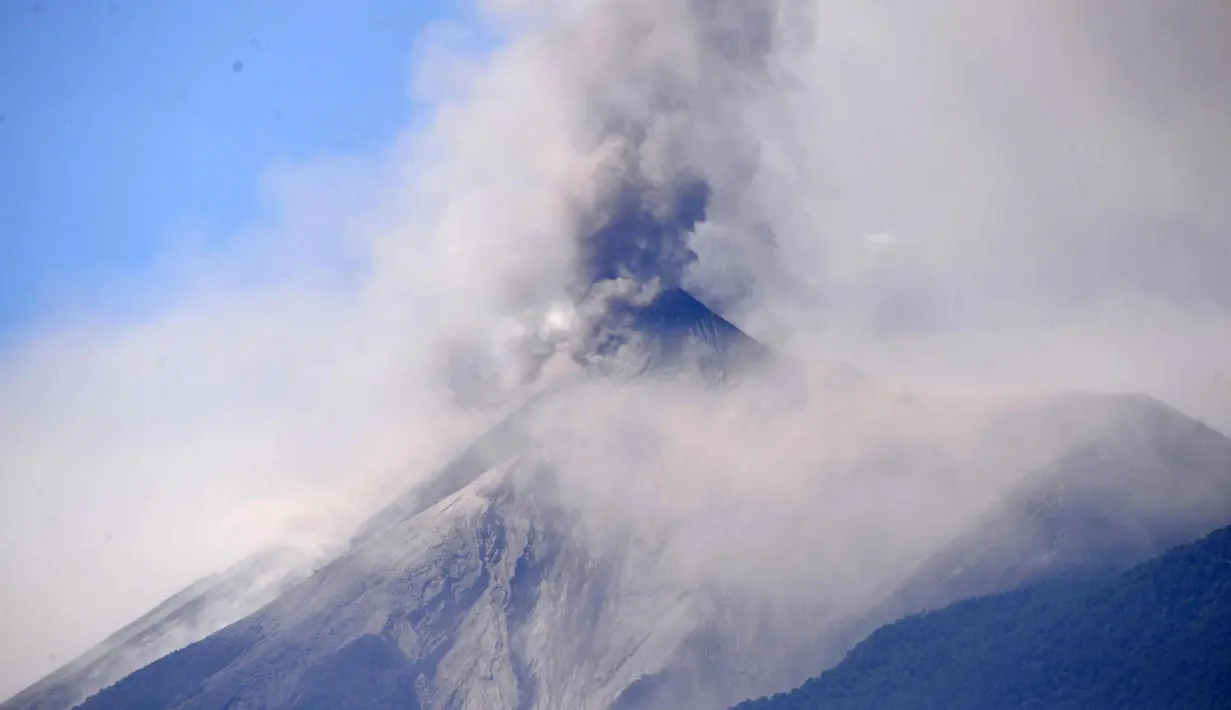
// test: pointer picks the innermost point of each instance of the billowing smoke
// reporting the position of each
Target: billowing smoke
(651, 93)
(645, 239)
(953, 196)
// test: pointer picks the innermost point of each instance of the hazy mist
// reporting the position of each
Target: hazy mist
(980, 202)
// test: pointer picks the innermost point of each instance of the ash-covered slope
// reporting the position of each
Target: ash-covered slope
(190, 615)
(495, 597)
(482, 588)
(674, 334)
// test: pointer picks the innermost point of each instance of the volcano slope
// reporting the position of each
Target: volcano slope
(192, 614)
(508, 580)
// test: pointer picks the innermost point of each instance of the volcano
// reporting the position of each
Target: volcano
(486, 586)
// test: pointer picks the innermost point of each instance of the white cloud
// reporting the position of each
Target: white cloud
(1066, 216)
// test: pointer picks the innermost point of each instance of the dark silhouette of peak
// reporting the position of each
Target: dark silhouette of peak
(674, 333)
(675, 314)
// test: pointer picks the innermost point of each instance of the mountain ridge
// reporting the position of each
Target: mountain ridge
(485, 586)
(1156, 636)
(511, 610)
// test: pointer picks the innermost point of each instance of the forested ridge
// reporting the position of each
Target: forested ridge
(1157, 637)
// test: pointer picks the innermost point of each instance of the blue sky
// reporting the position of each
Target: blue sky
(127, 120)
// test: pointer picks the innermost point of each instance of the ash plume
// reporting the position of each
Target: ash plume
(930, 213)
